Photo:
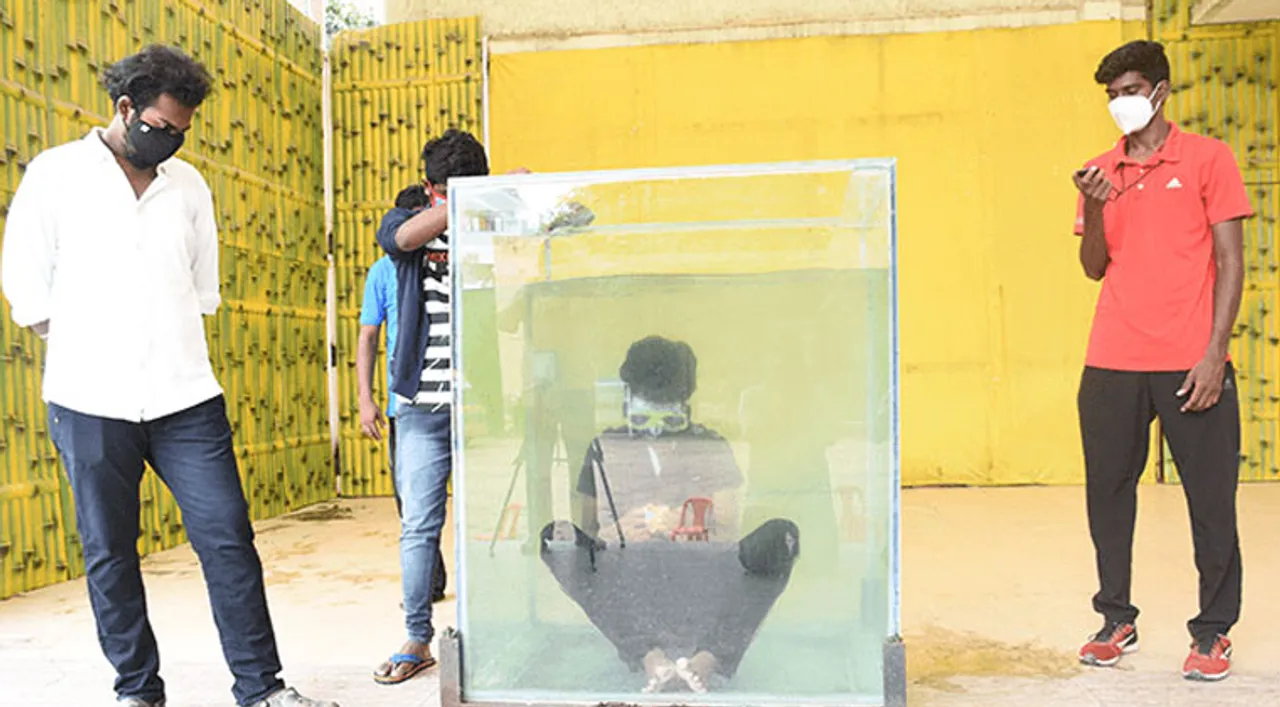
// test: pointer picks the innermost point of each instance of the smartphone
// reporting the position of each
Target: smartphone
(1082, 172)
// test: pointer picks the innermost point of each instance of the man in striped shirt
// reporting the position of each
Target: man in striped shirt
(422, 381)
(381, 305)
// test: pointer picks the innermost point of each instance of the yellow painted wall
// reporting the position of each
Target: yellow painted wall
(987, 126)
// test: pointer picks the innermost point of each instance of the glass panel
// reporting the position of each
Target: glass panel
(677, 459)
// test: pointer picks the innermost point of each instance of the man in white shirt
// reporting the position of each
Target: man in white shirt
(118, 286)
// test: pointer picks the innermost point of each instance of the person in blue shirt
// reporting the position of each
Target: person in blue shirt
(381, 305)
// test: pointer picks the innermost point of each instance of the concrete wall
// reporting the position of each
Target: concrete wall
(521, 25)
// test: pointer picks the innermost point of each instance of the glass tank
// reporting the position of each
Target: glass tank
(676, 434)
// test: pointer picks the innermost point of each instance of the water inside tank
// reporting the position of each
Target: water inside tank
(633, 344)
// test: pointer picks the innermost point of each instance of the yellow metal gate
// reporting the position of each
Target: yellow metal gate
(1227, 85)
(258, 141)
(393, 88)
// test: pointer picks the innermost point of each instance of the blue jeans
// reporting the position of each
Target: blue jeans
(424, 460)
(191, 452)
(439, 578)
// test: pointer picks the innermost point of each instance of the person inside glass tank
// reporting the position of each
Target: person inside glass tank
(654, 556)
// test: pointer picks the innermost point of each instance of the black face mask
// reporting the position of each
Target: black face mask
(147, 146)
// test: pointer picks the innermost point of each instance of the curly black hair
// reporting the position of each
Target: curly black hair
(660, 370)
(1146, 58)
(454, 154)
(412, 197)
(156, 70)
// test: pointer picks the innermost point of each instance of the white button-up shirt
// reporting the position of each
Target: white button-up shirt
(123, 281)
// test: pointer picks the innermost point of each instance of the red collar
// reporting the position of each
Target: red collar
(1170, 151)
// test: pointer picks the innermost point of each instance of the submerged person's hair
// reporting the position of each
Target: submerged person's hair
(660, 370)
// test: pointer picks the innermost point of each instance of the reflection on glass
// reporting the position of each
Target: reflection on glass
(677, 438)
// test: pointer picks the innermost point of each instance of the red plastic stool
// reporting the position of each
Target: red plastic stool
(697, 529)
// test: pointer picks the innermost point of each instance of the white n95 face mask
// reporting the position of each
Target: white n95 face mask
(1133, 113)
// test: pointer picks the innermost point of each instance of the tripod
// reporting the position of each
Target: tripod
(593, 463)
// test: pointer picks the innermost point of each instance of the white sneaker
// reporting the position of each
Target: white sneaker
(289, 697)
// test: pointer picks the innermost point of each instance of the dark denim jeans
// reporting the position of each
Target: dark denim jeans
(191, 451)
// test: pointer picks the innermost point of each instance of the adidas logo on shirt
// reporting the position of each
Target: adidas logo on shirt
(1173, 184)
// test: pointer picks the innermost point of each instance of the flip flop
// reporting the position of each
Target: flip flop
(419, 665)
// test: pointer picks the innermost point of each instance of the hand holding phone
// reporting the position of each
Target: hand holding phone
(1092, 183)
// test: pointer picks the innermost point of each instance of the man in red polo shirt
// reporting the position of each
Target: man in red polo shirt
(1160, 216)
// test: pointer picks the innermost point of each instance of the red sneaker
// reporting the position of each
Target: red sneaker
(1210, 659)
(1106, 646)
